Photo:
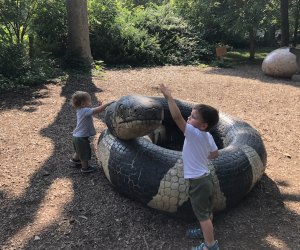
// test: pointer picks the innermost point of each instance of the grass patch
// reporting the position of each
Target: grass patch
(237, 57)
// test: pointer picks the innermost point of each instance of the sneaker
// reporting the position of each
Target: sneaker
(89, 169)
(203, 246)
(75, 162)
(194, 233)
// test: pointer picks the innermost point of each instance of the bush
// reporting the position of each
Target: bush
(180, 44)
(12, 60)
(50, 28)
(19, 71)
(38, 71)
(151, 35)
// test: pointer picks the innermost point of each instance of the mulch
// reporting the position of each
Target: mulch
(46, 204)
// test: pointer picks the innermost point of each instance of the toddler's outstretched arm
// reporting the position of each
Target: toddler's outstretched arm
(101, 107)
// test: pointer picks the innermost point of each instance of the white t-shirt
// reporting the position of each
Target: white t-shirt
(85, 126)
(196, 148)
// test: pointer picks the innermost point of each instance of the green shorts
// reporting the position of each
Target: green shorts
(201, 196)
(82, 148)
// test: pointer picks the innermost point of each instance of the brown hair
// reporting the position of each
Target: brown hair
(209, 114)
(79, 97)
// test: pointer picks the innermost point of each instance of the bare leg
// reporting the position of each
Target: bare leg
(208, 231)
(75, 157)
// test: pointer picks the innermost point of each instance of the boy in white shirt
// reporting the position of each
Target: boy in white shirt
(198, 148)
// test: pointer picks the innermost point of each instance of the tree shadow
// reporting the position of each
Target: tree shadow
(95, 216)
(253, 72)
(26, 100)
(23, 212)
(261, 220)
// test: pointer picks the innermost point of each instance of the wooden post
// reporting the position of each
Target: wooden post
(221, 52)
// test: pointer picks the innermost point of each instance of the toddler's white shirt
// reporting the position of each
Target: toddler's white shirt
(196, 148)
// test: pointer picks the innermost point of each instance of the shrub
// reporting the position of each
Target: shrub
(12, 60)
(50, 28)
(151, 35)
(19, 71)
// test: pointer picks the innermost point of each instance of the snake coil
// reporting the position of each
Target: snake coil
(140, 153)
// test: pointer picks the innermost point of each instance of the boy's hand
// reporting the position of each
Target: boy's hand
(213, 155)
(165, 91)
(111, 102)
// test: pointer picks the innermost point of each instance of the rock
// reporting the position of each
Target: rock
(287, 155)
(280, 63)
(296, 52)
(296, 78)
(36, 238)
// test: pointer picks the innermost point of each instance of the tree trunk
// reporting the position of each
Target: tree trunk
(78, 30)
(31, 49)
(296, 15)
(284, 11)
(270, 36)
(252, 44)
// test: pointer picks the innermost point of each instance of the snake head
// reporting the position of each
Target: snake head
(133, 116)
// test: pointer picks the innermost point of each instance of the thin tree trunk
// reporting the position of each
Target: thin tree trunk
(252, 44)
(295, 40)
(31, 50)
(284, 10)
(270, 37)
(78, 29)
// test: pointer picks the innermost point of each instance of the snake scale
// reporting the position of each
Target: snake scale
(140, 153)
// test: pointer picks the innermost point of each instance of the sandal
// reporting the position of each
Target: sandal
(89, 169)
(194, 233)
(203, 246)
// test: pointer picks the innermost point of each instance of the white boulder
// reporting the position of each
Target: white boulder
(280, 63)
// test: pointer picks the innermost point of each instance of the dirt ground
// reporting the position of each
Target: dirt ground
(45, 204)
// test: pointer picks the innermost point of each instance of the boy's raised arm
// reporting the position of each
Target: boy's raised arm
(175, 112)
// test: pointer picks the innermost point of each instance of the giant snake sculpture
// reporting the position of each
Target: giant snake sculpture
(140, 153)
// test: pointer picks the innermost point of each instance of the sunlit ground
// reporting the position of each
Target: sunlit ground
(50, 210)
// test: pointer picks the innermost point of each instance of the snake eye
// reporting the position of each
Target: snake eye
(121, 108)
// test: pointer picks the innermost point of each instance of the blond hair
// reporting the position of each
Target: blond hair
(79, 97)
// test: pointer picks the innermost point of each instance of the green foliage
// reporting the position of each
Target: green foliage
(49, 26)
(104, 34)
(241, 56)
(8, 85)
(179, 44)
(12, 59)
(39, 70)
(141, 35)
(19, 71)
(17, 21)
(15, 17)
(230, 21)
(131, 32)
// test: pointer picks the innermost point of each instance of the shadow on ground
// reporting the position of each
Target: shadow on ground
(261, 221)
(96, 217)
(253, 72)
